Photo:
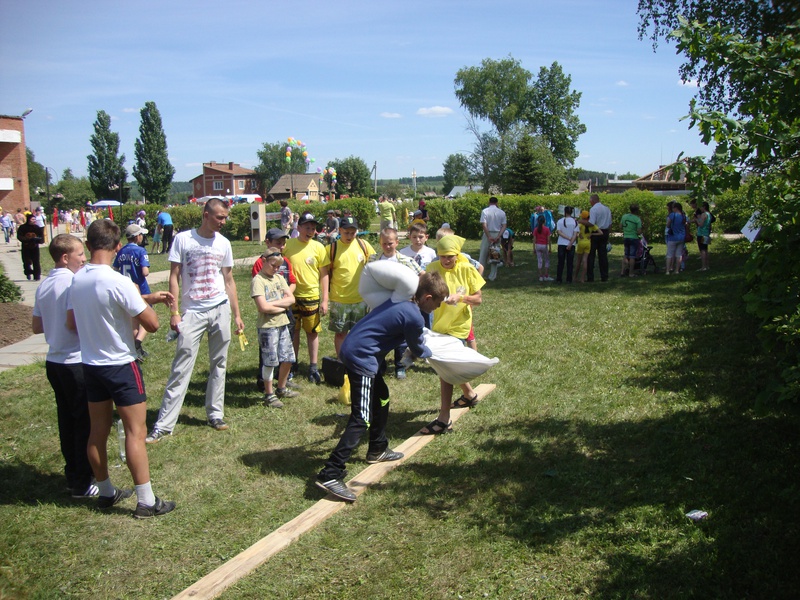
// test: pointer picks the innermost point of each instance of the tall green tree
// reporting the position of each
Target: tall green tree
(75, 191)
(107, 175)
(551, 113)
(507, 96)
(272, 164)
(456, 171)
(37, 175)
(352, 177)
(748, 67)
(152, 169)
(532, 169)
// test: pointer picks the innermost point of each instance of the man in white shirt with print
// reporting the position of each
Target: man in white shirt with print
(201, 263)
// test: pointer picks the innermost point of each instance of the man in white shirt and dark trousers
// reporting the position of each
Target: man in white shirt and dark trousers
(493, 222)
(600, 215)
(63, 363)
(201, 264)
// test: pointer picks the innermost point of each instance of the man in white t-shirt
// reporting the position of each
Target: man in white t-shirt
(493, 222)
(201, 264)
(567, 230)
(600, 215)
(101, 306)
(63, 362)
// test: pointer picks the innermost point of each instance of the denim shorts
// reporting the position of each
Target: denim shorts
(275, 344)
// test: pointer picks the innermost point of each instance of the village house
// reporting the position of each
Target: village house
(224, 179)
(298, 186)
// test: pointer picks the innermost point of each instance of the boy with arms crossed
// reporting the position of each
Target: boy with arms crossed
(273, 298)
(100, 308)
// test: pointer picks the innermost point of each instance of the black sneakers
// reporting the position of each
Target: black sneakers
(337, 488)
(104, 502)
(218, 424)
(385, 456)
(158, 509)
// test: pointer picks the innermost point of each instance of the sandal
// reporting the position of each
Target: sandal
(437, 427)
(464, 402)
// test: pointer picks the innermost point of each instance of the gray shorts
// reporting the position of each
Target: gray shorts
(276, 345)
(342, 317)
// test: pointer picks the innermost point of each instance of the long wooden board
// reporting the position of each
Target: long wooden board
(213, 584)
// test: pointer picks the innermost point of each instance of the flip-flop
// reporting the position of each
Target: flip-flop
(437, 427)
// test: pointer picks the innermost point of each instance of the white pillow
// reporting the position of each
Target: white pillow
(453, 361)
(385, 279)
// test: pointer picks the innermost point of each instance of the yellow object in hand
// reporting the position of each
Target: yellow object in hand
(242, 340)
(344, 391)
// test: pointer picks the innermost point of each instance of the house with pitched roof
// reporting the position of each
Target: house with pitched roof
(224, 179)
(298, 186)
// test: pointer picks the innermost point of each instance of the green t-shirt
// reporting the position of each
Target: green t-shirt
(631, 224)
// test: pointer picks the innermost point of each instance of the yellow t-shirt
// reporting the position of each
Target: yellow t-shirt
(387, 211)
(456, 320)
(307, 259)
(346, 270)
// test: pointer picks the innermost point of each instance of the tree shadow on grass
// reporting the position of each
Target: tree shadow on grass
(626, 487)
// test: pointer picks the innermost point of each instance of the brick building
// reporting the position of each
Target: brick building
(14, 192)
(224, 179)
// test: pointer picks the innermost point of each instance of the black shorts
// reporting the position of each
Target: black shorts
(123, 384)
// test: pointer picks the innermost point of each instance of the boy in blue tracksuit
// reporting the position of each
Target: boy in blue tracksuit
(363, 353)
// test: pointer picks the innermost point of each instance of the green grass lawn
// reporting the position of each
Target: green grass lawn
(619, 408)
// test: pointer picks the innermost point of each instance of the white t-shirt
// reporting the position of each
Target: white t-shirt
(51, 306)
(202, 260)
(104, 301)
(569, 227)
(425, 255)
(600, 215)
(494, 218)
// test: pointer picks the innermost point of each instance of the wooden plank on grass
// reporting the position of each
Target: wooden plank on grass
(213, 584)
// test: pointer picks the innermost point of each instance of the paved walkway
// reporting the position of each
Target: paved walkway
(34, 348)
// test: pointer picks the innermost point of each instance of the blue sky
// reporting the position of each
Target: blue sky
(370, 79)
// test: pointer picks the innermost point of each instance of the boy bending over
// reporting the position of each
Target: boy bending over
(363, 353)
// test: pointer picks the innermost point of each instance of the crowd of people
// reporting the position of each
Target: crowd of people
(86, 311)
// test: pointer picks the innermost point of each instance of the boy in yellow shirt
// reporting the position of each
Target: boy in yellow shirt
(454, 317)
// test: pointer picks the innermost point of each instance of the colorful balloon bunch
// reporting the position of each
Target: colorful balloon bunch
(300, 147)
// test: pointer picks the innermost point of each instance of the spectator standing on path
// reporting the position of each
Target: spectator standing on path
(631, 230)
(8, 225)
(30, 235)
(388, 213)
(286, 217)
(201, 266)
(310, 264)
(164, 222)
(133, 262)
(493, 222)
(63, 363)
(567, 231)
(600, 215)
(100, 306)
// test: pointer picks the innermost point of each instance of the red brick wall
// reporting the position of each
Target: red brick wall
(14, 165)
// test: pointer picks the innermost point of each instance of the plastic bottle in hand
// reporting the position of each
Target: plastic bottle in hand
(121, 439)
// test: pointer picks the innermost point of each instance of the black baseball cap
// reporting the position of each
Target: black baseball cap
(307, 218)
(276, 234)
(348, 223)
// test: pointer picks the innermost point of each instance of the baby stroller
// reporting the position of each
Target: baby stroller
(644, 259)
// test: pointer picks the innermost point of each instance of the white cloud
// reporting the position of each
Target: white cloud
(391, 115)
(130, 110)
(622, 83)
(690, 83)
(435, 111)
(608, 112)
